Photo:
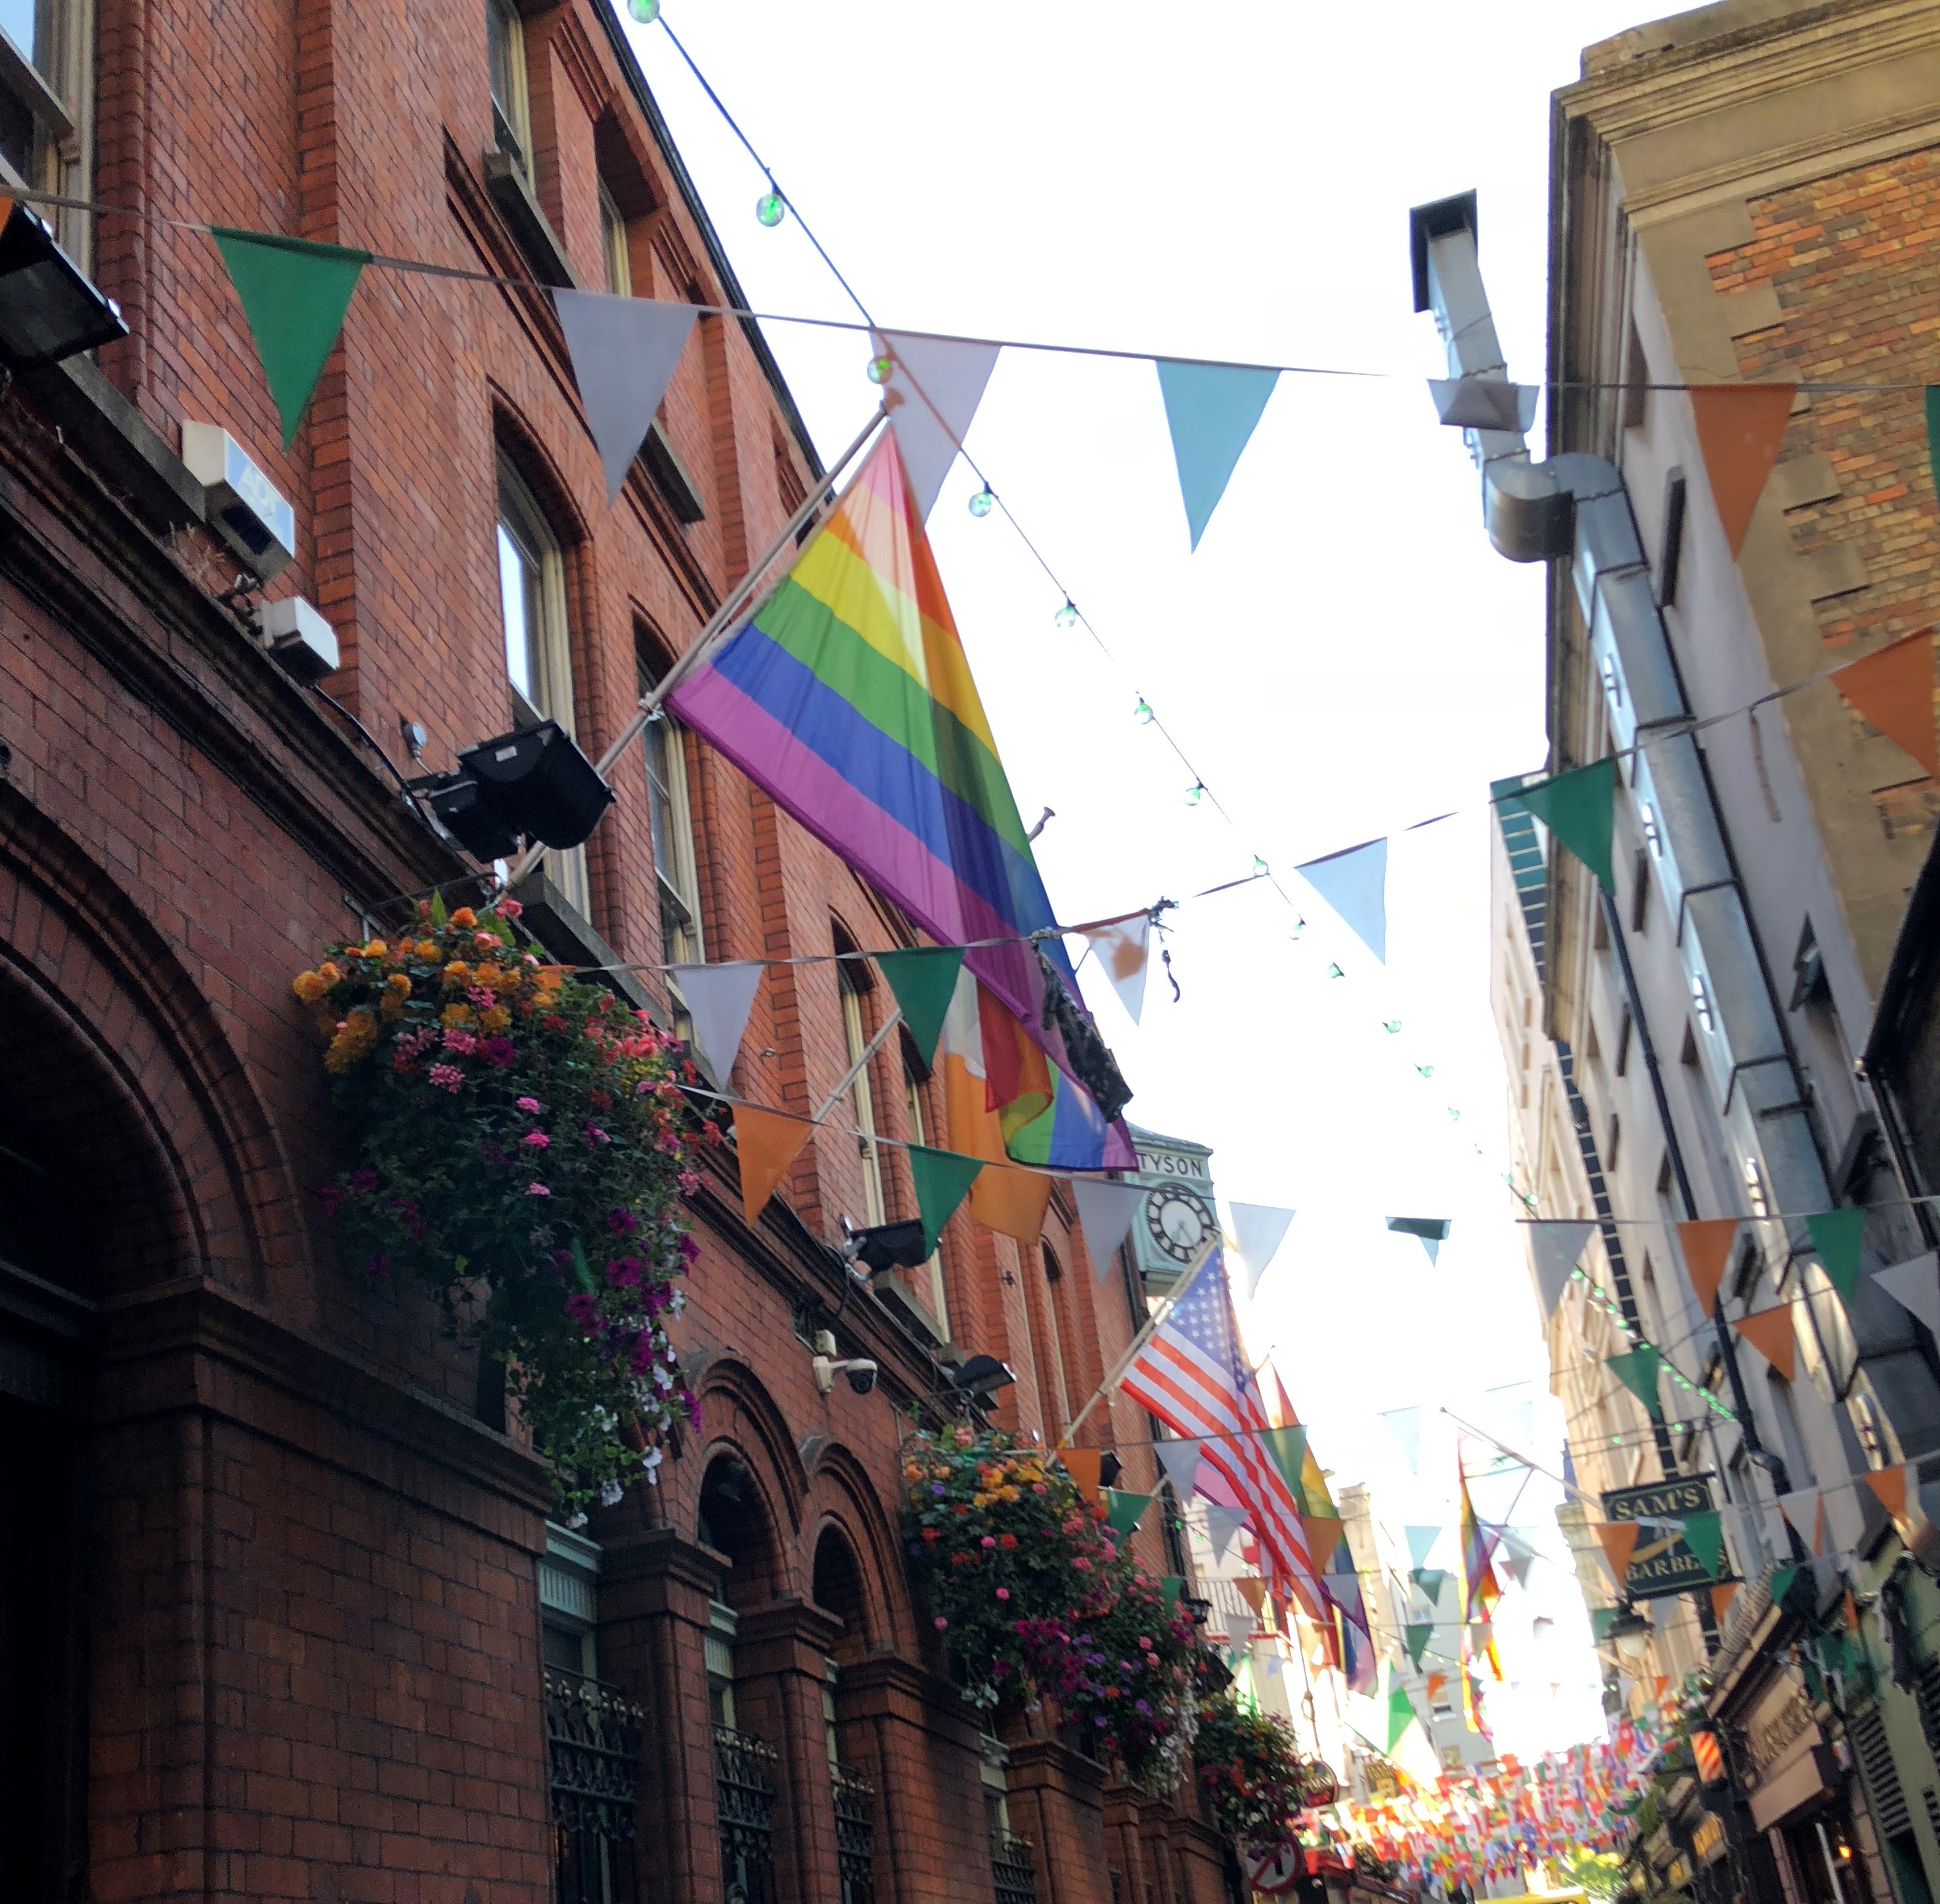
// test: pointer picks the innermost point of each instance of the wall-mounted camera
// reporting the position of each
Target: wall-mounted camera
(860, 1372)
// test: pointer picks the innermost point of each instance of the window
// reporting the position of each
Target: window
(925, 1282)
(1755, 1188)
(1670, 550)
(851, 979)
(663, 748)
(613, 246)
(1640, 891)
(1653, 834)
(46, 107)
(505, 47)
(1623, 1064)
(1700, 997)
(1615, 1143)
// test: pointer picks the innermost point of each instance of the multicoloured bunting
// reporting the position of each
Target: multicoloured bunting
(1706, 1242)
(1836, 1235)
(1579, 809)
(1124, 1511)
(1618, 1540)
(1404, 1424)
(1741, 429)
(1416, 1637)
(1354, 883)
(1179, 1461)
(1083, 1465)
(1431, 1580)
(1420, 1542)
(623, 352)
(1704, 1535)
(1771, 1333)
(1432, 1232)
(1889, 1488)
(1258, 1231)
(1212, 411)
(1893, 689)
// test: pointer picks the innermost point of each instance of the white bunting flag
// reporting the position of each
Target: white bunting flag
(1122, 950)
(718, 1000)
(1180, 1461)
(1257, 1231)
(1916, 1285)
(623, 352)
(1555, 1247)
(1223, 1524)
(1106, 1211)
(1354, 881)
(934, 387)
(1404, 1424)
(1239, 1631)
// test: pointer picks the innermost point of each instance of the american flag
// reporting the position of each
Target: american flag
(1194, 1377)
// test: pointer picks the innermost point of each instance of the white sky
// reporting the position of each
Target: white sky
(1344, 654)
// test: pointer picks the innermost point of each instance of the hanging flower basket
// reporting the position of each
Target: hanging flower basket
(1035, 1599)
(1253, 1775)
(522, 1147)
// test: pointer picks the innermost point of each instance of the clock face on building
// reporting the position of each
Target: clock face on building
(1177, 1222)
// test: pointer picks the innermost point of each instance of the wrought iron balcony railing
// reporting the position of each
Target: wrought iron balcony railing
(593, 1737)
(1013, 1869)
(744, 1791)
(855, 1836)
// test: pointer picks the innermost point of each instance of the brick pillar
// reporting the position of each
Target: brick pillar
(653, 1592)
(1057, 1800)
(908, 1731)
(780, 1667)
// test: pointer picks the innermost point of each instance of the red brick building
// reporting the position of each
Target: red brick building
(281, 1616)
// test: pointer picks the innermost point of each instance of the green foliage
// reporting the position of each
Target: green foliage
(1253, 1775)
(1600, 1873)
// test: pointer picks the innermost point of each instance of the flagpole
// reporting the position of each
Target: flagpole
(1165, 1308)
(704, 644)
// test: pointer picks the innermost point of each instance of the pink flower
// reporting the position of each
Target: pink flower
(1003, 1593)
(510, 909)
(487, 939)
(989, 1540)
(536, 1140)
(462, 1042)
(689, 1182)
(581, 1308)
(537, 1190)
(940, 1623)
(669, 1142)
(594, 1135)
(447, 1077)
(530, 1106)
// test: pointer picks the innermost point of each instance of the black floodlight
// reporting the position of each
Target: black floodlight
(49, 308)
(460, 806)
(888, 1245)
(539, 784)
(981, 1375)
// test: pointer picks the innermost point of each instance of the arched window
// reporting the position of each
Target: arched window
(853, 981)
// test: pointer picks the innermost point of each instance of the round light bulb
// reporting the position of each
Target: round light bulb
(1261, 868)
(1067, 616)
(1334, 971)
(983, 503)
(646, 11)
(1194, 793)
(1391, 1026)
(881, 369)
(1427, 1070)
(770, 209)
(1143, 713)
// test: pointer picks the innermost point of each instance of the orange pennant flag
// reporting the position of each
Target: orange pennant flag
(1707, 1243)
(1770, 1332)
(6, 211)
(1741, 427)
(1894, 689)
(1661, 1682)
(1619, 1539)
(1082, 1465)
(1253, 1591)
(1323, 1536)
(1890, 1484)
(1011, 1202)
(1722, 1598)
(1436, 1681)
(768, 1143)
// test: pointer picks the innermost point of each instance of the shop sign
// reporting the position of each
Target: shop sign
(1677, 1873)
(1788, 1762)
(1707, 1838)
(1662, 1564)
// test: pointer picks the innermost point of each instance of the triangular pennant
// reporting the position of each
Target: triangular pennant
(1484, 403)
(1432, 1231)
(1180, 1461)
(1436, 1681)
(1323, 1536)
(1889, 1487)
(1555, 1247)
(1288, 1447)
(1579, 808)
(1122, 950)
(1420, 1543)
(1519, 1565)
(294, 293)
(1707, 1243)
(767, 1143)
(1431, 1580)
(1258, 1230)
(1083, 1465)
(1011, 1201)
(1253, 1590)
(1638, 1369)
(924, 980)
(1124, 1511)
(1836, 1235)
(1106, 1211)
(718, 998)
(1894, 689)
(1354, 881)
(1172, 1585)
(932, 390)
(1602, 1619)
(1222, 1523)
(943, 1179)
(623, 352)
(1416, 1637)
(1741, 427)
(1803, 1508)
(1239, 1631)
(1704, 1535)
(1722, 1597)
(1916, 1286)
(1618, 1540)
(1771, 1333)
(1782, 1583)
(1404, 1424)
(1210, 410)
(1933, 432)
(1401, 1715)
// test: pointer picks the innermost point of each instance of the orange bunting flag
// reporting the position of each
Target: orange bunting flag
(768, 1143)
(1894, 689)
(1011, 1202)
(1770, 1332)
(1722, 1598)
(1741, 427)
(1082, 1464)
(1619, 1539)
(1323, 1536)
(1253, 1591)
(1707, 1243)
(1890, 1484)
(1436, 1681)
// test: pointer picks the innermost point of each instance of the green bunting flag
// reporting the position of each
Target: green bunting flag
(1400, 1716)
(1835, 1235)
(1123, 1510)
(1172, 1585)
(294, 294)
(1704, 1535)
(942, 1180)
(1430, 1580)
(1288, 1447)
(1781, 1583)
(1579, 808)
(1417, 1638)
(1933, 430)
(924, 980)
(1602, 1619)
(1637, 1370)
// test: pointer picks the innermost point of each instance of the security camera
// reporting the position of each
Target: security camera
(862, 1376)
(862, 1373)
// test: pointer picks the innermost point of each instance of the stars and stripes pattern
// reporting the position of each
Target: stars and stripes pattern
(1194, 1377)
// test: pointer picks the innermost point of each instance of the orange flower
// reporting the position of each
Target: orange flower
(457, 973)
(329, 972)
(376, 949)
(456, 1014)
(426, 948)
(465, 918)
(309, 986)
(497, 1019)
(400, 983)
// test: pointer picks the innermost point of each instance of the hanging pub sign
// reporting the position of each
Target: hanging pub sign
(1662, 1562)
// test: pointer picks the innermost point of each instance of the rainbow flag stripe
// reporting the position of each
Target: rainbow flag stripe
(847, 698)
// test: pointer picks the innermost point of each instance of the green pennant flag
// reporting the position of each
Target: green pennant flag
(1579, 808)
(1288, 1447)
(1172, 1585)
(924, 980)
(294, 294)
(942, 1180)
(1781, 1583)
(1417, 1638)
(1602, 1619)
(1400, 1716)
(1430, 1580)
(1704, 1535)
(1933, 430)
(1637, 1370)
(1123, 1510)
(1835, 1235)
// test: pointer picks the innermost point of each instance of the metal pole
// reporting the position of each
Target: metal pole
(1125, 1361)
(856, 1069)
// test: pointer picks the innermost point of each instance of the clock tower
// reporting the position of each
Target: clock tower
(1178, 1213)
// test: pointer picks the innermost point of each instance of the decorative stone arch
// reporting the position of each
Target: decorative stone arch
(849, 1510)
(746, 1432)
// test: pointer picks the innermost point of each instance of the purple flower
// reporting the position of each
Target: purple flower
(379, 1266)
(582, 1307)
(594, 1135)
(621, 1222)
(690, 1250)
(331, 1197)
(937, 1488)
(363, 1182)
(941, 1623)
(499, 1051)
(624, 1273)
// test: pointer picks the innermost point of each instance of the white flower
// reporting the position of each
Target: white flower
(578, 1521)
(610, 1492)
(652, 1459)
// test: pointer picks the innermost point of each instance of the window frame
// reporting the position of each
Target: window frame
(55, 94)
(614, 244)
(851, 984)
(511, 115)
(914, 1081)
(672, 838)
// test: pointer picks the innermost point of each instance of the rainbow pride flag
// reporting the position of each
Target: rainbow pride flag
(847, 698)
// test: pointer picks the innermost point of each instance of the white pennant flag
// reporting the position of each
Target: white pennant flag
(1554, 1248)
(1915, 1285)
(718, 1000)
(1239, 1631)
(1222, 1523)
(1121, 949)
(1484, 403)
(932, 390)
(1257, 1231)
(1106, 1210)
(1180, 1461)
(1354, 881)
(624, 350)
(1801, 1507)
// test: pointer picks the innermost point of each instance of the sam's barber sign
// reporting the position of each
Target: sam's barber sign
(1662, 1564)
